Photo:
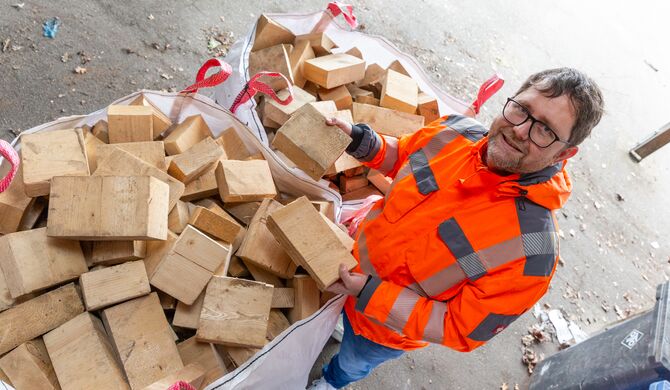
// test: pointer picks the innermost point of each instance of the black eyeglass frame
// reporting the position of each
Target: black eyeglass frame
(533, 121)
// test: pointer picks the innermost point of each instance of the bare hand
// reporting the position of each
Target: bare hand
(350, 283)
(344, 126)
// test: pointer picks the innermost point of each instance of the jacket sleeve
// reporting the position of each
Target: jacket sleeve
(481, 310)
(385, 153)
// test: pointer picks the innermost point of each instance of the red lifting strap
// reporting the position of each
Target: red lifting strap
(10, 155)
(347, 10)
(213, 80)
(488, 89)
(181, 385)
(254, 86)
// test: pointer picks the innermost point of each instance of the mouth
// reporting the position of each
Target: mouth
(510, 144)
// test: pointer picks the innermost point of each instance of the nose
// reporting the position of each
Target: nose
(522, 131)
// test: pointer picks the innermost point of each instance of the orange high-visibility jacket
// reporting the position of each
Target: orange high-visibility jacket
(456, 251)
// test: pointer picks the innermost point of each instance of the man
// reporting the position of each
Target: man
(465, 241)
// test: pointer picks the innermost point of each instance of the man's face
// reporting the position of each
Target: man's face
(510, 148)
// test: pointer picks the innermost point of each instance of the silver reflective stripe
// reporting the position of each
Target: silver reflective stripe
(367, 293)
(404, 171)
(423, 174)
(443, 280)
(466, 126)
(540, 243)
(454, 238)
(502, 253)
(438, 142)
(417, 289)
(401, 310)
(364, 256)
(391, 155)
(434, 331)
(472, 266)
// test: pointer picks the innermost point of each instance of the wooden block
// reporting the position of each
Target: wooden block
(225, 229)
(193, 374)
(310, 242)
(113, 285)
(348, 184)
(108, 208)
(260, 247)
(272, 59)
(35, 214)
(306, 298)
(237, 269)
(192, 351)
(82, 355)
(343, 163)
(334, 70)
(39, 315)
(233, 145)
(159, 121)
(135, 325)
(302, 51)
(341, 232)
(157, 251)
(374, 74)
(373, 101)
(31, 261)
(29, 367)
(214, 207)
(340, 95)
(396, 66)
(6, 300)
(186, 134)
(361, 193)
(277, 324)
(354, 51)
(245, 181)
(383, 183)
(356, 91)
(51, 153)
(283, 298)
(4, 378)
(178, 217)
(117, 252)
(239, 355)
(130, 124)
(13, 205)
(152, 153)
(326, 208)
(270, 33)
(187, 316)
(428, 107)
(325, 297)
(280, 114)
(320, 42)
(101, 131)
(309, 142)
(235, 312)
(122, 163)
(91, 143)
(386, 121)
(243, 212)
(184, 272)
(260, 275)
(399, 92)
(195, 161)
(326, 108)
(267, 122)
(310, 87)
(203, 186)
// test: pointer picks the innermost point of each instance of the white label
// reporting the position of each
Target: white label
(633, 338)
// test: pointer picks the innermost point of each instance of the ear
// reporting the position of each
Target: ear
(566, 154)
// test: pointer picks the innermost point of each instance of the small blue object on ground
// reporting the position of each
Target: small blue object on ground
(50, 27)
(660, 385)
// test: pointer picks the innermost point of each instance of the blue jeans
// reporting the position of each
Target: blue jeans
(357, 357)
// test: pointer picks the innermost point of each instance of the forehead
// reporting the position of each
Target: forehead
(558, 113)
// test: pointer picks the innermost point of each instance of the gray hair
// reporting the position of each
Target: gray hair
(584, 94)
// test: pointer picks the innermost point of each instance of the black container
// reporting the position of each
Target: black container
(630, 356)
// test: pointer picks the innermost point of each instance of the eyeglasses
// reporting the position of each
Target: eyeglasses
(540, 134)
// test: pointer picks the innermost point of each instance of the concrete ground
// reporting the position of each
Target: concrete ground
(615, 246)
